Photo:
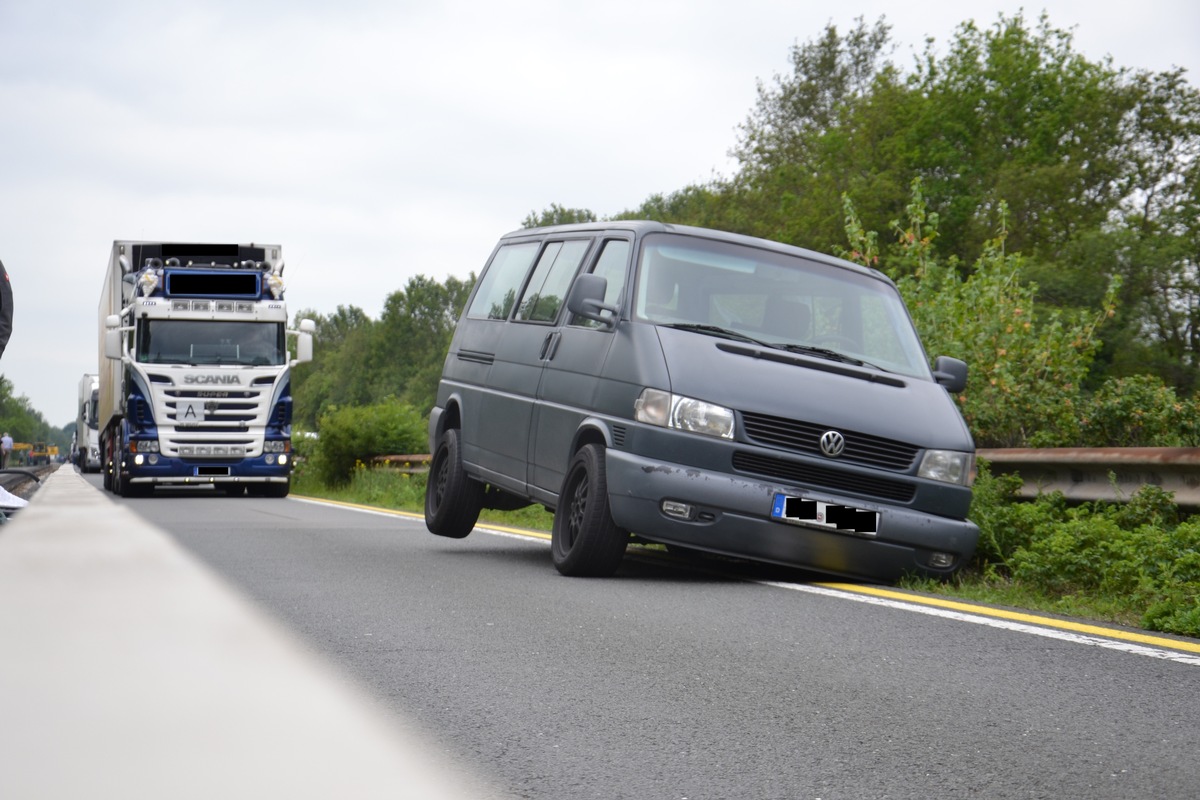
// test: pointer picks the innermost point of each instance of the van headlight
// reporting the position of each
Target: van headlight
(948, 466)
(656, 407)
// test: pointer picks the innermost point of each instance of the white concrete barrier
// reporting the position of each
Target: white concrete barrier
(128, 670)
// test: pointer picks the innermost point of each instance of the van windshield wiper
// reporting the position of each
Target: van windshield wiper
(716, 330)
(832, 355)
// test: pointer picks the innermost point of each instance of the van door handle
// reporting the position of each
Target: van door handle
(549, 346)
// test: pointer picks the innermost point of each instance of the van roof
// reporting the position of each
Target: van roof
(640, 227)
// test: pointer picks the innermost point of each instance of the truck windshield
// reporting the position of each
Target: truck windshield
(165, 341)
(776, 299)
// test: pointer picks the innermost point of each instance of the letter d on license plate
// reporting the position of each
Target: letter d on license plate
(816, 514)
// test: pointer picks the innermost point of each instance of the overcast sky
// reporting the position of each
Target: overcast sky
(380, 139)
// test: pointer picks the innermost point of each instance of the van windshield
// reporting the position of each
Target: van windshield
(777, 299)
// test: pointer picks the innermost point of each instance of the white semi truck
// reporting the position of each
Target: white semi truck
(194, 384)
(85, 452)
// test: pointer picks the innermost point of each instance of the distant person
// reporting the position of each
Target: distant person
(6, 311)
(5, 449)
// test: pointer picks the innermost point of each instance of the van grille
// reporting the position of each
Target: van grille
(805, 437)
(833, 479)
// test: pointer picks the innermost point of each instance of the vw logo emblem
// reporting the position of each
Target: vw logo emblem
(832, 443)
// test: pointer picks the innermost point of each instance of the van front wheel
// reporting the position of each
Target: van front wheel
(452, 498)
(585, 541)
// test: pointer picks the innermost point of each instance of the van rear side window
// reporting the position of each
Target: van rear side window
(551, 278)
(497, 292)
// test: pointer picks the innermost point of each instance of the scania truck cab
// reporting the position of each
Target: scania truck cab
(194, 379)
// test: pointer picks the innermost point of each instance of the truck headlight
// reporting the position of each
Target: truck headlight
(948, 466)
(656, 407)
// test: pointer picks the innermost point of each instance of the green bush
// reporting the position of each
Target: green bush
(1135, 555)
(353, 435)
(1138, 411)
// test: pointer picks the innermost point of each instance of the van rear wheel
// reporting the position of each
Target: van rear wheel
(453, 499)
(585, 541)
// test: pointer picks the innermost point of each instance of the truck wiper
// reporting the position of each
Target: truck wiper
(716, 330)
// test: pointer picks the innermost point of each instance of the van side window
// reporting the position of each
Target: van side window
(499, 285)
(547, 289)
(614, 257)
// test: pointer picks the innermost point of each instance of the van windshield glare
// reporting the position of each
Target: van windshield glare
(776, 298)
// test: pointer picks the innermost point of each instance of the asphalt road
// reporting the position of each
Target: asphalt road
(673, 681)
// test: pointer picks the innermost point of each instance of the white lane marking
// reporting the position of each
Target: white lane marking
(1020, 627)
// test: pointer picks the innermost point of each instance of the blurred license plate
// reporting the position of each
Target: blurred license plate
(846, 519)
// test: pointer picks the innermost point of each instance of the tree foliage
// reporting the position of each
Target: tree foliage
(1093, 171)
(557, 215)
(25, 424)
(1028, 362)
(358, 361)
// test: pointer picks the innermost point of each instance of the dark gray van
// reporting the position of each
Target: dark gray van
(703, 390)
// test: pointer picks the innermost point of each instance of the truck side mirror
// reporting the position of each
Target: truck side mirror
(586, 299)
(304, 342)
(112, 337)
(950, 373)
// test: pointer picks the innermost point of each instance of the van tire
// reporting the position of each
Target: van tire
(585, 541)
(453, 499)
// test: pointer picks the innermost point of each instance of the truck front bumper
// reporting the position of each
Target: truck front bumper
(181, 471)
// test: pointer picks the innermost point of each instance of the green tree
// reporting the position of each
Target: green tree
(417, 323)
(320, 383)
(1027, 362)
(557, 215)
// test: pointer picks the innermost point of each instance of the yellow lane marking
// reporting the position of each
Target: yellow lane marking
(1016, 616)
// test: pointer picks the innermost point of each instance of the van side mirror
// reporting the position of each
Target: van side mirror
(950, 373)
(586, 299)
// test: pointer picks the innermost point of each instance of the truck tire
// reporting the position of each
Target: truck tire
(278, 489)
(585, 542)
(453, 499)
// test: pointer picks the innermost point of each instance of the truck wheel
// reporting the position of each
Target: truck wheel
(277, 489)
(106, 465)
(453, 499)
(585, 541)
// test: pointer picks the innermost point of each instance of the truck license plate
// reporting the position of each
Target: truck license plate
(814, 513)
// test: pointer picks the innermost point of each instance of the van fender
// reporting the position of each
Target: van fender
(591, 430)
(446, 416)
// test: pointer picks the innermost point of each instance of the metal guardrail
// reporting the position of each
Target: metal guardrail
(131, 671)
(1101, 473)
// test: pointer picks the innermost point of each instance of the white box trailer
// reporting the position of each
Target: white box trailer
(85, 453)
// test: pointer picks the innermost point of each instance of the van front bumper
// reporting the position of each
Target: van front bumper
(731, 515)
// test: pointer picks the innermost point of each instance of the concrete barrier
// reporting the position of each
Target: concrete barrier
(1101, 473)
(128, 670)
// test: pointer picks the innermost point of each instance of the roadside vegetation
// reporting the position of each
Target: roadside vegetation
(1041, 215)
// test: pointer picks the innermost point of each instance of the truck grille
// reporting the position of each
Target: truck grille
(212, 424)
(805, 437)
